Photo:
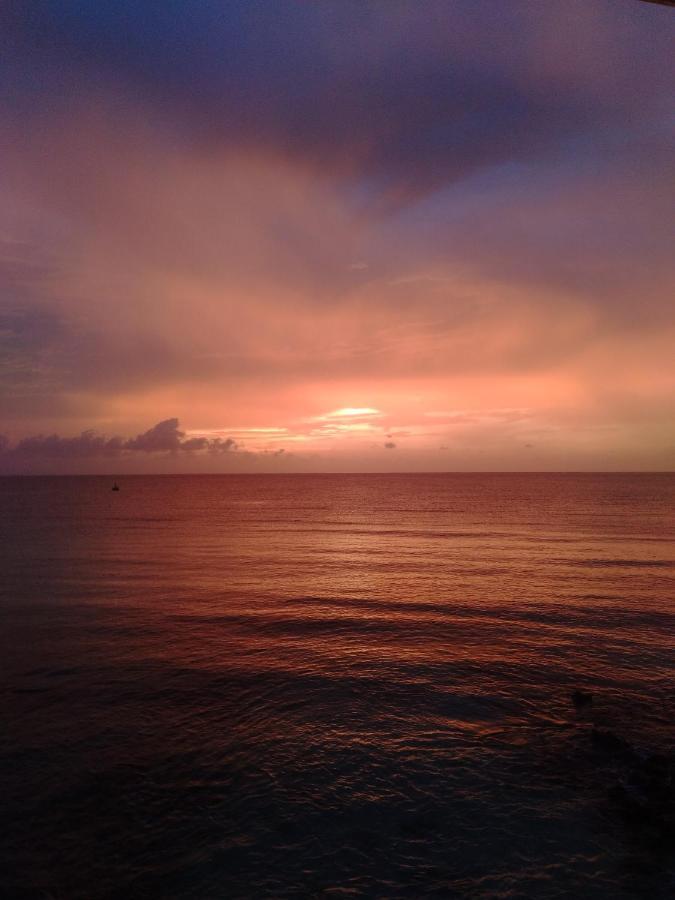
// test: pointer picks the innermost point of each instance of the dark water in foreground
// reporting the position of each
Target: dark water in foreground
(218, 687)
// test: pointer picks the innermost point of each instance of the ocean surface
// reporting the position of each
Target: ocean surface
(336, 686)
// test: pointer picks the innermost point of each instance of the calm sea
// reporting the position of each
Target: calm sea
(308, 686)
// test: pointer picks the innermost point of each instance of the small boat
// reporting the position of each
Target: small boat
(115, 486)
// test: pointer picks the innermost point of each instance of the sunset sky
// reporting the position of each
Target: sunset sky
(336, 235)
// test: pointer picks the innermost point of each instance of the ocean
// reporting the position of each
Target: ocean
(337, 685)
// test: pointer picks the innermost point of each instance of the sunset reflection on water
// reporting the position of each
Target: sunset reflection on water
(299, 684)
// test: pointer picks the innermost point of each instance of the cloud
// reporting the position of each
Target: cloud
(164, 437)
(218, 445)
(52, 446)
(351, 413)
(184, 188)
(400, 99)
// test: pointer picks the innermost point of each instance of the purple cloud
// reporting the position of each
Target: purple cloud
(164, 437)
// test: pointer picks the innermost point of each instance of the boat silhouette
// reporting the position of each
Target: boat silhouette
(115, 486)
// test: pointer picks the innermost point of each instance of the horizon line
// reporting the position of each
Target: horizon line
(115, 475)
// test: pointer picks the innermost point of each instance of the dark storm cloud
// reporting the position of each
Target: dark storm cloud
(407, 97)
(164, 437)
(87, 444)
(217, 445)
(214, 446)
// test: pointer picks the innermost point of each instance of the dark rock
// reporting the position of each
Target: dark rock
(645, 796)
(632, 804)
(610, 743)
(652, 823)
(654, 778)
(659, 766)
(580, 699)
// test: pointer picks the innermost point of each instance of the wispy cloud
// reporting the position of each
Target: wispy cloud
(350, 412)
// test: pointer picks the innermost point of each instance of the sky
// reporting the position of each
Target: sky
(336, 235)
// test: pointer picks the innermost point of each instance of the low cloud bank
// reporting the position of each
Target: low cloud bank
(164, 437)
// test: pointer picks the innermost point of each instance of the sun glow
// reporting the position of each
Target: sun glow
(352, 411)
